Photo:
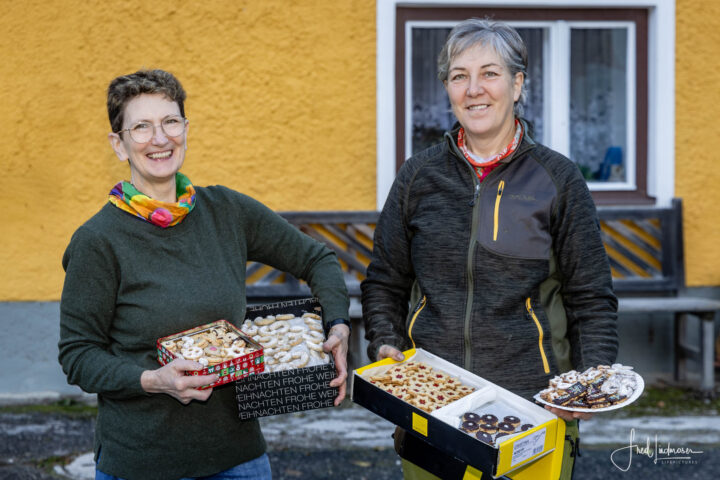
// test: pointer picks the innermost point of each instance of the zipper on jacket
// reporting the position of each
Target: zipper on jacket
(467, 327)
(531, 312)
(475, 195)
(525, 147)
(496, 216)
(418, 309)
(475, 204)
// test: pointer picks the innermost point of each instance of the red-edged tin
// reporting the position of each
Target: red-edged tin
(229, 371)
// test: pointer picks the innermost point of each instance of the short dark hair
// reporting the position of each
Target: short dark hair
(126, 87)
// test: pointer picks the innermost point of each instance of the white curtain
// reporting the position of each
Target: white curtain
(598, 122)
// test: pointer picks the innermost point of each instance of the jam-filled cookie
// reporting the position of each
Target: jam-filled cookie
(213, 351)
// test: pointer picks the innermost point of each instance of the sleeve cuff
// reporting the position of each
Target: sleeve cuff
(337, 321)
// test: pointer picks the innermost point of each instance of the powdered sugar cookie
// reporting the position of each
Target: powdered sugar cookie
(263, 321)
(294, 340)
(314, 337)
(280, 327)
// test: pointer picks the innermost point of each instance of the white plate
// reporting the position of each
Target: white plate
(640, 386)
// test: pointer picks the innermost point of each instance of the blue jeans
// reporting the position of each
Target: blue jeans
(257, 469)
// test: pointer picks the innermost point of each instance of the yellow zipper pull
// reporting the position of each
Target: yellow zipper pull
(496, 218)
(528, 306)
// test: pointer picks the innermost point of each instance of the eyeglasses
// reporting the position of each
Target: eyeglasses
(143, 132)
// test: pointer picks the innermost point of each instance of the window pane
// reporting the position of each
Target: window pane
(534, 106)
(598, 103)
(431, 114)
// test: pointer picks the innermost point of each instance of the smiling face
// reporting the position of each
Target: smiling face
(482, 94)
(153, 164)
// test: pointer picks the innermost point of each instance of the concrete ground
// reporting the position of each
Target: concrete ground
(348, 442)
(352, 443)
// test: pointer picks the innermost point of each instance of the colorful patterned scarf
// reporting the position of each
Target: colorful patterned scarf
(484, 168)
(163, 214)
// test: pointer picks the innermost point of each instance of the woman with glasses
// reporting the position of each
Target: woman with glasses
(162, 256)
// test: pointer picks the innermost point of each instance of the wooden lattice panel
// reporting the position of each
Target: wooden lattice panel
(634, 247)
(348, 234)
(644, 245)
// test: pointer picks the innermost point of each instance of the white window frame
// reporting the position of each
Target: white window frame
(661, 85)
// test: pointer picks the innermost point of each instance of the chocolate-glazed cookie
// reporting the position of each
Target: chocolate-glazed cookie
(505, 427)
(526, 427)
(470, 416)
(593, 398)
(488, 428)
(484, 437)
(489, 418)
(469, 426)
(514, 421)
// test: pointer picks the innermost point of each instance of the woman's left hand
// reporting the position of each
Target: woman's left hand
(567, 415)
(337, 344)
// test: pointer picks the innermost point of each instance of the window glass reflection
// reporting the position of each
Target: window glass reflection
(598, 103)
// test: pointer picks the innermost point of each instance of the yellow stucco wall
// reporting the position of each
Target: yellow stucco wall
(281, 102)
(697, 143)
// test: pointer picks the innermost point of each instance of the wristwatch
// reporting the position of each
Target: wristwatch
(337, 321)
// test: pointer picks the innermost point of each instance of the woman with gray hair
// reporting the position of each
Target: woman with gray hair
(494, 242)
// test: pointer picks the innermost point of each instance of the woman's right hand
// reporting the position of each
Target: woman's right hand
(171, 379)
(386, 351)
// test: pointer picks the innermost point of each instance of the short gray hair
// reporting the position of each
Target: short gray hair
(504, 39)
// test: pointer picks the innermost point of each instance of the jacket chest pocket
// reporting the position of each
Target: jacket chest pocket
(514, 221)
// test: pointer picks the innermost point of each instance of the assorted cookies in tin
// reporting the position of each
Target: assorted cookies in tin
(209, 347)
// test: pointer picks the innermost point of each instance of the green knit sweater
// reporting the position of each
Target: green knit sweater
(129, 282)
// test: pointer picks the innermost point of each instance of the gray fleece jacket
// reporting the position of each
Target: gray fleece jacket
(507, 278)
